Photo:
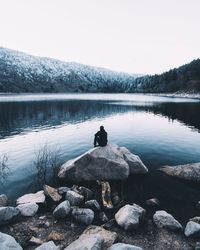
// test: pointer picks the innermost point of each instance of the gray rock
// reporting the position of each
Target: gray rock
(102, 163)
(47, 246)
(93, 204)
(83, 215)
(74, 198)
(152, 202)
(190, 172)
(164, 220)
(63, 190)
(197, 247)
(103, 217)
(87, 242)
(86, 192)
(35, 241)
(198, 205)
(52, 193)
(28, 209)
(62, 210)
(38, 198)
(122, 246)
(135, 164)
(3, 200)
(108, 236)
(129, 216)
(7, 242)
(192, 228)
(7, 214)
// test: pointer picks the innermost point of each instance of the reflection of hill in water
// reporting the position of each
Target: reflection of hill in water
(20, 116)
(17, 117)
(187, 113)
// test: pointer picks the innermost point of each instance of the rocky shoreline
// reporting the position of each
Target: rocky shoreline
(94, 216)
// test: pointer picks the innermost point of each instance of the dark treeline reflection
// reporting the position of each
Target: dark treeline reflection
(17, 117)
(186, 113)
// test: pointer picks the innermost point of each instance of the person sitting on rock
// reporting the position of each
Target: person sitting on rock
(100, 138)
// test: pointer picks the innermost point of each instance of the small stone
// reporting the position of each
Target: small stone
(93, 204)
(115, 198)
(3, 200)
(83, 215)
(122, 246)
(74, 198)
(43, 217)
(86, 192)
(7, 214)
(55, 236)
(63, 190)
(152, 202)
(197, 247)
(198, 205)
(164, 220)
(192, 228)
(35, 241)
(38, 198)
(129, 216)
(196, 219)
(110, 224)
(7, 242)
(108, 236)
(48, 246)
(28, 209)
(52, 193)
(62, 210)
(103, 217)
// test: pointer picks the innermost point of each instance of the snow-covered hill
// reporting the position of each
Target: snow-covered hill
(20, 72)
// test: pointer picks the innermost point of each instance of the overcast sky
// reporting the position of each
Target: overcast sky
(137, 36)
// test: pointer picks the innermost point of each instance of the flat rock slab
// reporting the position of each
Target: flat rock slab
(108, 236)
(190, 172)
(87, 242)
(122, 246)
(52, 193)
(7, 242)
(7, 214)
(38, 198)
(129, 216)
(162, 219)
(102, 163)
(28, 209)
(48, 246)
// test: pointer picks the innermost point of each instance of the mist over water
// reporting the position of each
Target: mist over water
(161, 130)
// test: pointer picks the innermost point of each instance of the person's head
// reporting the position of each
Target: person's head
(101, 128)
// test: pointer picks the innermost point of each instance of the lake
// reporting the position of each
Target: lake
(161, 130)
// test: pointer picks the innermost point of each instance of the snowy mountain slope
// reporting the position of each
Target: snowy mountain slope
(20, 72)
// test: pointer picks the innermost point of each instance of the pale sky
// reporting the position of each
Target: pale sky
(135, 36)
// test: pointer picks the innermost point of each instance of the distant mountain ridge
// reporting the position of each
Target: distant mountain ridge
(23, 73)
(20, 72)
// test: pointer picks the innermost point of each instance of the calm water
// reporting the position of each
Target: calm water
(161, 130)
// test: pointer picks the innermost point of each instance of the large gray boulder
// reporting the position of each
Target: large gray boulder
(83, 215)
(192, 228)
(28, 209)
(123, 246)
(62, 210)
(190, 172)
(102, 163)
(162, 219)
(87, 242)
(38, 198)
(7, 242)
(129, 216)
(7, 214)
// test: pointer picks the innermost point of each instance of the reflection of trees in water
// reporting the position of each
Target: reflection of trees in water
(20, 116)
(187, 113)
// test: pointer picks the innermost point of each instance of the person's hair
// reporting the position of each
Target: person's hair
(101, 127)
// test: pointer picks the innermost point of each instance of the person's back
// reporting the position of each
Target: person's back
(100, 137)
